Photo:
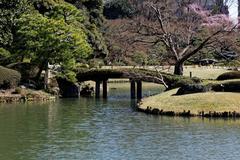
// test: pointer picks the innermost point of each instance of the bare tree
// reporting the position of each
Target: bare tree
(183, 28)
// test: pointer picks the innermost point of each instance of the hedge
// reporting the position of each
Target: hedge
(229, 75)
(9, 78)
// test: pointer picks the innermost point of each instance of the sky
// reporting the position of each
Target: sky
(233, 9)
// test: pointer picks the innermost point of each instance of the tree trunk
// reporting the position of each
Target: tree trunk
(178, 68)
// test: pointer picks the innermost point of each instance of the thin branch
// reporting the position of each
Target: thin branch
(161, 78)
(185, 57)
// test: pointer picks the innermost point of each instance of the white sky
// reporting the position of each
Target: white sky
(233, 9)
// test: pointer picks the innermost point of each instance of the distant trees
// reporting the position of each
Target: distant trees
(114, 9)
(184, 29)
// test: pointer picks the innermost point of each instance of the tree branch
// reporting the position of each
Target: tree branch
(185, 57)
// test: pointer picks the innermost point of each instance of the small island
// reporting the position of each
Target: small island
(211, 98)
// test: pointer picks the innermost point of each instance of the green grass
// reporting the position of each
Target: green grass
(210, 101)
(204, 72)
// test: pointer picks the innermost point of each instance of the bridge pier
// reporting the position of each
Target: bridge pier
(105, 89)
(97, 89)
(133, 89)
(139, 90)
(98, 86)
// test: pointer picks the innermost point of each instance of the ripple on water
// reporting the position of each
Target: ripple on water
(99, 129)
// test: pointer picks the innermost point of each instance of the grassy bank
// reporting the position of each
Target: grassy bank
(195, 103)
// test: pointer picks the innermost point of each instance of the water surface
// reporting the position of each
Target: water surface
(86, 128)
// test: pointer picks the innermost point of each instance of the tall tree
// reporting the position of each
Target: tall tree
(10, 10)
(86, 14)
(183, 29)
(45, 40)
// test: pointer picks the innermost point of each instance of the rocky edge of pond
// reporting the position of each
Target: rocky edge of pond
(24, 95)
(213, 114)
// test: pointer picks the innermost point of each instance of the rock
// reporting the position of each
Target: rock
(22, 87)
(54, 91)
(68, 89)
(87, 90)
(155, 111)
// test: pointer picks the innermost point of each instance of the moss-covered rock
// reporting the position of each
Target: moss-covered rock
(9, 78)
(229, 75)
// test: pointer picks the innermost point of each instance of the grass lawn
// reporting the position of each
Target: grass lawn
(210, 101)
(204, 72)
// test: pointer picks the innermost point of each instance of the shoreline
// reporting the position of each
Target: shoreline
(155, 111)
(27, 96)
(207, 104)
(24, 99)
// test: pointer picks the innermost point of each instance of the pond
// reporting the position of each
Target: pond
(109, 129)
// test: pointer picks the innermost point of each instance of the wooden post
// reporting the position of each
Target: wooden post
(139, 90)
(190, 74)
(133, 89)
(105, 89)
(97, 89)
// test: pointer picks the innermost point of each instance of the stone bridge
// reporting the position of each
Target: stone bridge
(135, 76)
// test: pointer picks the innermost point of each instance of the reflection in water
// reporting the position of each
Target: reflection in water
(86, 128)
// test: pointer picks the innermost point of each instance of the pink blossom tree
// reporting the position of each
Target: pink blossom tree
(184, 29)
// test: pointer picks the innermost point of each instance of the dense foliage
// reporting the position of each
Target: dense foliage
(51, 31)
(9, 12)
(114, 9)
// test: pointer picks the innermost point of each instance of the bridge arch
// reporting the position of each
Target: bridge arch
(135, 76)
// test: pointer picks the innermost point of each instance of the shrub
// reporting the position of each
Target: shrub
(9, 78)
(27, 70)
(229, 75)
(227, 87)
(193, 88)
